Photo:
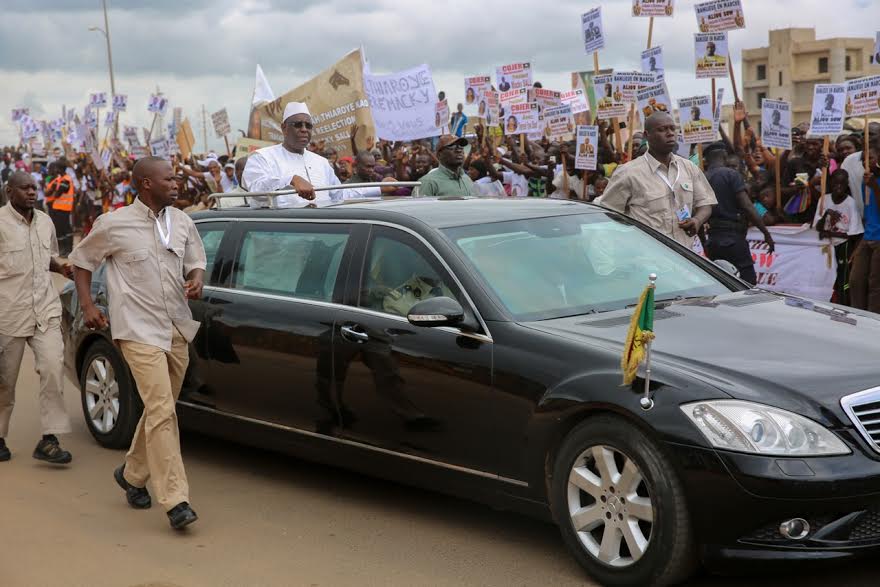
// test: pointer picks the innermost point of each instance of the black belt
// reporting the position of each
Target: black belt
(720, 225)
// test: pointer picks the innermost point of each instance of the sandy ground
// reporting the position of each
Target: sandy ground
(267, 519)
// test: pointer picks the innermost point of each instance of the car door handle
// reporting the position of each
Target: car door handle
(349, 333)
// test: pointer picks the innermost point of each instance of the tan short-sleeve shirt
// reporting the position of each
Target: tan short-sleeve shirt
(637, 190)
(28, 298)
(144, 277)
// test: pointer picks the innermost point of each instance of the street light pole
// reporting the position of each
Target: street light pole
(106, 32)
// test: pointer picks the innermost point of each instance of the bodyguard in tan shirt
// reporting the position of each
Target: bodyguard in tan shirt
(30, 313)
(149, 247)
(667, 192)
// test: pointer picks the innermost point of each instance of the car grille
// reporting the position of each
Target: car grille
(863, 409)
(868, 526)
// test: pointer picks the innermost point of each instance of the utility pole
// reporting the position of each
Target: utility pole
(106, 32)
(204, 129)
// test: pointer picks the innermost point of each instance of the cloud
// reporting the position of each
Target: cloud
(202, 52)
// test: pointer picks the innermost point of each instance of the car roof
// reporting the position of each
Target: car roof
(444, 212)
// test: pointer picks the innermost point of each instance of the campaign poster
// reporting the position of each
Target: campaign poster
(441, 114)
(157, 104)
(653, 8)
(517, 96)
(696, 119)
(576, 100)
(628, 83)
(18, 113)
(776, 123)
(587, 148)
(522, 118)
(98, 100)
(720, 15)
(131, 136)
(109, 117)
(710, 51)
(652, 62)
(513, 76)
(591, 24)
(159, 148)
(829, 101)
(559, 122)
(403, 104)
(653, 99)
(474, 90)
(876, 57)
(545, 98)
(220, 120)
(120, 102)
(606, 105)
(493, 108)
(863, 96)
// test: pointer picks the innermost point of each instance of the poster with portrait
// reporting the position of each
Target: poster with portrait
(863, 96)
(157, 104)
(493, 108)
(586, 154)
(517, 96)
(827, 116)
(652, 62)
(696, 117)
(513, 76)
(559, 122)
(98, 100)
(653, 99)
(606, 105)
(109, 117)
(591, 25)
(776, 123)
(474, 90)
(131, 136)
(576, 100)
(653, 8)
(523, 117)
(720, 15)
(441, 114)
(220, 120)
(710, 55)
(545, 98)
(120, 102)
(18, 113)
(628, 83)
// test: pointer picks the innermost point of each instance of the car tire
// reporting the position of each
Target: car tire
(110, 403)
(610, 477)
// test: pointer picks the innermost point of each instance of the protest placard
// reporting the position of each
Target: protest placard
(716, 116)
(441, 114)
(109, 118)
(587, 148)
(220, 120)
(17, 113)
(172, 130)
(827, 115)
(628, 83)
(246, 146)
(120, 102)
(159, 148)
(517, 96)
(131, 136)
(493, 108)
(177, 116)
(653, 8)
(521, 118)
(185, 139)
(591, 24)
(653, 99)
(776, 123)
(876, 57)
(575, 99)
(720, 15)
(91, 118)
(652, 62)
(29, 127)
(545, 98)
(98, 100)
(157, 104)
(474, 89)
(863, 96)
(696, 116)
(559, 122)
(606, 106)
(513, 76)
(403, 104)
(710, 54)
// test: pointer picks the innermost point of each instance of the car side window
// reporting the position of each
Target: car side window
(297, 261)
(399, 272)
(212, 234)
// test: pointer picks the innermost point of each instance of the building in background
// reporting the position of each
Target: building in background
(796, 61)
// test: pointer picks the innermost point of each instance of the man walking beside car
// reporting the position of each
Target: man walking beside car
(30, 313)
(149, 247)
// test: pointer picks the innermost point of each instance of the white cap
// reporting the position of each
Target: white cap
(295, 108)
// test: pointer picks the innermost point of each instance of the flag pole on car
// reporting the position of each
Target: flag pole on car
(638, 342)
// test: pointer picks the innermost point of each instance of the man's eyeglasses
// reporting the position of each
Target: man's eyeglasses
(301, 124)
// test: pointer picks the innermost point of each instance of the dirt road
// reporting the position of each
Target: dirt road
(265, 520)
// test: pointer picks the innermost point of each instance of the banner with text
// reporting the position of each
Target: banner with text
(696, 116)
(710, 51)
(513, 76)
(776, 123)
(863, 96)
(653, 8)
(402, 104)
(587, 148)
(720, 15)
(828, 104)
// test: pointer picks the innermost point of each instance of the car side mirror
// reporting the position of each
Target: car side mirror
(727, 266)
(441, 311)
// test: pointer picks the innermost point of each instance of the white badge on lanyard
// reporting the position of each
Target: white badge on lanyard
(165, 236)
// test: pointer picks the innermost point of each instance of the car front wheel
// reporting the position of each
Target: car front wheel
(109, 401)
(620, 506)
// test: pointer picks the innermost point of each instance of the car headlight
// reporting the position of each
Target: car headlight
(759, 429)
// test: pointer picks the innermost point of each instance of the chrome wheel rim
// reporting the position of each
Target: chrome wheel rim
(101, 394)
(610, 506)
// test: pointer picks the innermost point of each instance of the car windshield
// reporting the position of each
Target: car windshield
(546, 268)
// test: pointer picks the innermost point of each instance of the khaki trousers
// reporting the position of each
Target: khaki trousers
(48, 348)
(155, 449)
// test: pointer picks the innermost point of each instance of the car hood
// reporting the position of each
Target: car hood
(754, 345)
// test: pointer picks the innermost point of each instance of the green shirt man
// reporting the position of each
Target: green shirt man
(449, 179)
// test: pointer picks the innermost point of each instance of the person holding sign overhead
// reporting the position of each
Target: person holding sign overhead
(661, 189)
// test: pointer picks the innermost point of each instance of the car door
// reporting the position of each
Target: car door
(415, 390)
(271, 323)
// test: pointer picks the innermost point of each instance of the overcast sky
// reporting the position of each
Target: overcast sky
(205, 52)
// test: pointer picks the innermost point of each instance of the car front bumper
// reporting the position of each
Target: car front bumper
(738, 501)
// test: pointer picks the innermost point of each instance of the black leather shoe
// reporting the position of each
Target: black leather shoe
(5, 455)
(138, 497)
(50, 451)
(181, 515)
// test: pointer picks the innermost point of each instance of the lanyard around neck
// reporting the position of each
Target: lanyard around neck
(666, 179)
(165, 236)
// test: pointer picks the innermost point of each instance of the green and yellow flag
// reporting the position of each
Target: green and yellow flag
(641, 332)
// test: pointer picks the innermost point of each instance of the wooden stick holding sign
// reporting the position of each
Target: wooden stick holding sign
(631, 125)
(825, 148)
(650, 31)
(732, 78)
(865, 158)
(777, 171)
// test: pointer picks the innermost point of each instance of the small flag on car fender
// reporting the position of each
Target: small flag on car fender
(639, 336)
